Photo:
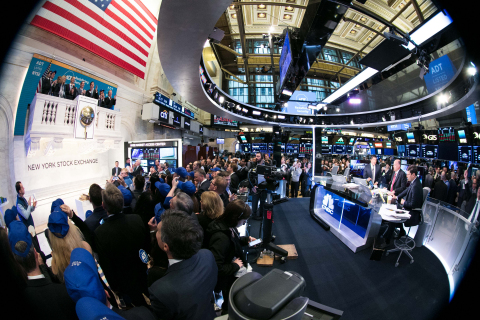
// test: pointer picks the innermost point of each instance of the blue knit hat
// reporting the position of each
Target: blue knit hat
(18, 232)
(58, 223)
(191, 174)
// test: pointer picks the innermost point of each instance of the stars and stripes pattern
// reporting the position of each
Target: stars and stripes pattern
(120, 31)
(44, 76)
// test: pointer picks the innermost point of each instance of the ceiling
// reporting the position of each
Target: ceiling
(357, 32)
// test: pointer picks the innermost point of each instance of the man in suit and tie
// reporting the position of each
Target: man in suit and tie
(410, 199)
(101, 99)
(441, 189)
(398, 182)
(185, 291)
(429, 179)
(234, 178)
(71, 92)
(81, 90)
(109, 101)
(116, 170)
(47, 82)
(372, 171)
(92, 93)
(203, 184)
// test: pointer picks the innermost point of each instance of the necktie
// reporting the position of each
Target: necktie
(373, 173)
(393, 181)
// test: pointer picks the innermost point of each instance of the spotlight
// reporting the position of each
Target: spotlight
(443, 98)
(325, 108)
(351, 122)
(285, 104)
(281, 117)
(311, 120)
(383, 118)
(244, 110)
(287, 92)
(221, 99)
(354, 101)
(265, 115)
(323, 122)
(274, 117)
(256, 113)
(472, 71)
(337, 109)
(239, 108)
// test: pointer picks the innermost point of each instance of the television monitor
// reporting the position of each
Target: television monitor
(177, 119)
(243, 139)
(403, 161)
(326, 149)
(410, 137)
(220, 141)
(462, 137)
(476, 154)
(291, 148)
(259, 147)
(372, 151)
(186, 123)
(150, 153)
(388, 152)
(168, 153)
(338, 149)
(446, 134)
(349, 150)
(465, 153)
(404, 167)
(218, 121)
(352, 141)
(429, 151)
(401, 150)
(270, 147)
(448, 151)
(454, 164)
(172, 165)
(388, 144)
(137, 154)
(306, 148)
(324, 140)
(378, 145)
(379, 151)
(474, 171)
(246, 147)
(412, 150)
(285, 58)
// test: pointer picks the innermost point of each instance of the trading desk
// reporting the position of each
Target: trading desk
(351, 214)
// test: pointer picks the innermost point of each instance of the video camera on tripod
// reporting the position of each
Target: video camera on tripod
(271, 175)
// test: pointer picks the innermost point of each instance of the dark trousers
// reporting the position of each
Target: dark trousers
(302, 184)
(262, 196)
(388, 228)
(294, 189)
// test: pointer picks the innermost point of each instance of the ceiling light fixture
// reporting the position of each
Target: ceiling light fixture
(337, 109)
(221, 99)
(287, 17)
(353, 31)
(261, 15)
(363, 19)
(261, 6)
(256, 113)
(289, 8)
(280, 117)
(234, 15)
(287, 92)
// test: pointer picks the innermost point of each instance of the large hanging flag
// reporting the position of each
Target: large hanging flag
(120, 31)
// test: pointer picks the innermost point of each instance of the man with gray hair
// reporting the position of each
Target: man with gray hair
(117, 241)
(452, 190)
(137, 168)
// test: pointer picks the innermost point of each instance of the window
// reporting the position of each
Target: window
(346, 56)
(330, 55)
(261, 47)
(238, 46)
(237, 90)
(264, 91)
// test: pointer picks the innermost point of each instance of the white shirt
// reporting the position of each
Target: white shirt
(373, 172)
(171, 262)
(40, 276)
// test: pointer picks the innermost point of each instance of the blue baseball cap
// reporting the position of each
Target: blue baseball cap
(19, 232)
(91, 309)
(215, 169)
(159, 210)
(56, 203)
(10, 215)
(127, 195)
(163, 188)
(188, 187)
(58, 223)
(81, 277)
(88, 213)
(181, 172)
(191, 174)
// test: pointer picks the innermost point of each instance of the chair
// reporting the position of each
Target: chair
(334, 170)
(405, 244)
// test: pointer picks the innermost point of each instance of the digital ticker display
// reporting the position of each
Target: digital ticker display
(465, 153)
(291, 148)
(259, 147)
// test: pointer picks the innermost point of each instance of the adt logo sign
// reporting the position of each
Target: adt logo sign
(328, 203)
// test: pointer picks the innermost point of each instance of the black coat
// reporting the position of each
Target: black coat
(115, 169)
(92, 94)
(367, 172)
(93, 221)
(429, 181)
(452, 192)
(185, 291)
(204, 222)
(234, 183)
(68, 95)
(109, 103)
(204, 186)
(440, 191)
(48, 300)
(46, 85)
(413, 200)
(464, 192)
(118, 242)
(400, 182)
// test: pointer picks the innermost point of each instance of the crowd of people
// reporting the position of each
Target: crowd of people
(60, 88)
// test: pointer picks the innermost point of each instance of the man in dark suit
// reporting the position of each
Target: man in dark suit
(185, 291)
(81, 90)
(452, 190)
(116, 170)
(109, 101)
(474, 195)
(429, 180)
(234, 178)
(118, 242)
(71, 92)
(203, 184)
(440, 190)
(92, 93)
(47, 82)
(372, 171)
(137, 168)
(101, 99)
(99, 213)
(410, 199)
(398, 182)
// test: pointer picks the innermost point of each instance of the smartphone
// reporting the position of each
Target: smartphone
(254, 243)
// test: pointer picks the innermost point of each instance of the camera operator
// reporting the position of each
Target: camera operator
(257, 194)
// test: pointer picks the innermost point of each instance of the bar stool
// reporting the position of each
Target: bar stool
(405, 244)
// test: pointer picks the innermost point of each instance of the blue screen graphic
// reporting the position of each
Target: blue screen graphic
(285, 58)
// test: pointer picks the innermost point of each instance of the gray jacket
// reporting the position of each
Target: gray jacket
(296, 172)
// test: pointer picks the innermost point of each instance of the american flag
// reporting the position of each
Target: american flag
(45, 74)
(120, 31)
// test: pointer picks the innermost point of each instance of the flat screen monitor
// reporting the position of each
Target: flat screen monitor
(243, 139)
(448, 151)
(326, 149)
(291, 148)
(429, 151)
(338, 149)
(410, 137)
(324, 140)
(306, 148)
(379, 151)
(462, 138)
(352, 141)
(388, 152)
(220, 141)
(246, 147)
(404, 167)
(372, 151)
(349, 150)
(388, 144)
(412, 150)
(172, 165)
(401, 150)
(186, 123)
(285, 58)
(168, 153)
(137, 154)
(474, 171)
(446, 134)
(476, 154)
(270, 147)
(259, 147)
(403, 162)
(465, 154)
(150, 153)
(454, 164)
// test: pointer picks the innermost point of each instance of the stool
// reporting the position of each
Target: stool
(404, 244)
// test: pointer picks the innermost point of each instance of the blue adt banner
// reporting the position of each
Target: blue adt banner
(441, 71)
(395, 127)
(295, 104)
(471, 114)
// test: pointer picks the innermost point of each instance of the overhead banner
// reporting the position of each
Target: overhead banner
(222, 121)
(441, 72)
(299, 101)
(471, 114)
(37, 68)
(395, 127)
(162, 100)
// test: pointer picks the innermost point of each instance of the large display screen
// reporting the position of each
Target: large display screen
(259, 147)
(338, 149)
(306, 148)
(324, 140)
(429, 151)
(410, 137)
(446, 134)
(137, 154)
(412, 150)
(285, 58)
(223, 122)
(291, 148)
(401, 150)
(476, 154)
(448, 151)
(326, 149)
(462, 138)
(465, 153)
(168, 153)
(246, 147)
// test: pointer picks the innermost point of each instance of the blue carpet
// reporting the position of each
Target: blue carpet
(348, 281)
